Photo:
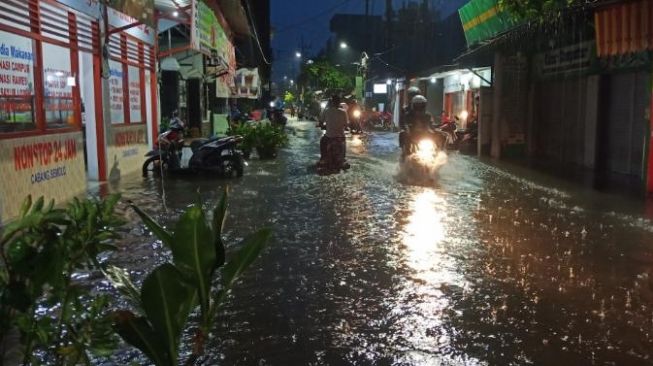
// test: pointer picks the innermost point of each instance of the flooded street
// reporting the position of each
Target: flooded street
(489, 266)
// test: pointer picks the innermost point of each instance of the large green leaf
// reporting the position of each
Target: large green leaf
(249, 251)
(166, 301)
(140, 334)
(193, 251)
(156, 228)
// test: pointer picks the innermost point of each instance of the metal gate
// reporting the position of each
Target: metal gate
(626, 124)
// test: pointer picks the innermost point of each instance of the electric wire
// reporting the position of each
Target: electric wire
(258, 42)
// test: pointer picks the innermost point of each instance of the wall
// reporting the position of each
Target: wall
(48, 165)
(127, 148)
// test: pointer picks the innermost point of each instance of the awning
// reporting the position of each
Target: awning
(624, 28)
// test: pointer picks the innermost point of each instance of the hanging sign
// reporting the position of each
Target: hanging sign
(139, 10)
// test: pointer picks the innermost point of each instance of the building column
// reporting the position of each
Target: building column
(649, 147)
(495, 130)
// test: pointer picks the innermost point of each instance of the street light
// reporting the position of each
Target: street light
(298, 54)
(343, 45)
(292, 81)
(389, 82)
(175, 13)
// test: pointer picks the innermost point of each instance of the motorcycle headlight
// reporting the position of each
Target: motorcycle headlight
(357, 113)
(426, 146)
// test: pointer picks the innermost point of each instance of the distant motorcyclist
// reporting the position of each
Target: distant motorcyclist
(334, 120)
(176, 124)
(411, 93)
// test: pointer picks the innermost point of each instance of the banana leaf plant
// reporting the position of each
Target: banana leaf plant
(173, 290)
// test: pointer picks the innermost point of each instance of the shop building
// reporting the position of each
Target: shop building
(577, 104)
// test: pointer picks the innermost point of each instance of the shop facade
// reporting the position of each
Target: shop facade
(42, 149)
(56, 131)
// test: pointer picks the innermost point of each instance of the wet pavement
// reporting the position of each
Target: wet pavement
(489, 266)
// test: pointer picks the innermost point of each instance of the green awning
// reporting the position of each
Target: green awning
(482, 19)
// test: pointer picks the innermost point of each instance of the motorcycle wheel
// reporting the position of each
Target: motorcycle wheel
(150, 165)
(231, 165)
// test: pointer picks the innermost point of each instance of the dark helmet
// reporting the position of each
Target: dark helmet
(335, 100)
(412, 91)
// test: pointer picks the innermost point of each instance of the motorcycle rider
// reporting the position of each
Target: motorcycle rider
(334, 120)
(419, 122)
(411, 93)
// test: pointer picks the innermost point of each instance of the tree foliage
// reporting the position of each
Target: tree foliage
(289, 97)
(535, 10)
(323, 75)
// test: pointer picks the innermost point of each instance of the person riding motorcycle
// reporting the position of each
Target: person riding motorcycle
(412, 92)
(332, 145)
(418, 123)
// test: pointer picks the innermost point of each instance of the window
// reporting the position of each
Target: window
(16, 83)
(58, 82)
(116, 92)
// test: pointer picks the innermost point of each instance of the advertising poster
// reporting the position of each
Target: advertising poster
(116, 95)
(58, 85)
(52, 165)
(135, 115)
(16, 81)
(127, 148)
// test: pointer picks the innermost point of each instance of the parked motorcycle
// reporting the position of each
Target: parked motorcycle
(468, 138)
(215, 155)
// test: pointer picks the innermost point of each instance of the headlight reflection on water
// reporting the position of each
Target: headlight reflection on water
(422, 301)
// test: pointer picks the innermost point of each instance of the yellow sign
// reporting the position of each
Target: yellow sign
(51, 166)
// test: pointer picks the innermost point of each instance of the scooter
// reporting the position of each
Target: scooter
(355, 121)
(215, 155)
(277, 118)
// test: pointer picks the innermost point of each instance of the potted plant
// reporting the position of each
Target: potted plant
(268, 139)
(246, 131)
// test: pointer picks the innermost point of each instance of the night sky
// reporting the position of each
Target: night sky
(294, 19)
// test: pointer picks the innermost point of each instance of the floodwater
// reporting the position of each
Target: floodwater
(488, 266)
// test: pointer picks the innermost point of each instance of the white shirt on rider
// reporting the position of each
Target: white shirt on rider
(336, 122)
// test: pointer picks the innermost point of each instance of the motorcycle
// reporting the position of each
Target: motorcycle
(215, 155)
(379, 121)
(277, 118)
(355, 121)
(468, 139)
(452, 137)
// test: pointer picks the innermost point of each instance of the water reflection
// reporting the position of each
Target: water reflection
(431, 278)
(424, 232)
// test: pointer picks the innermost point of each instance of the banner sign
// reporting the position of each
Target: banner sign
(482, 19)
(127, 147)
(208, 37)
(571, 58)
(88, 7)
(358, 91)
(247, 84)
(142, 32)
(50, 165)
(139, 10)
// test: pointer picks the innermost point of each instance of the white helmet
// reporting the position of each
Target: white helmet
(413, 91)
(418, 100)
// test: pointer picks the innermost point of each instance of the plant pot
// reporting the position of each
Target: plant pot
(266, 152)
